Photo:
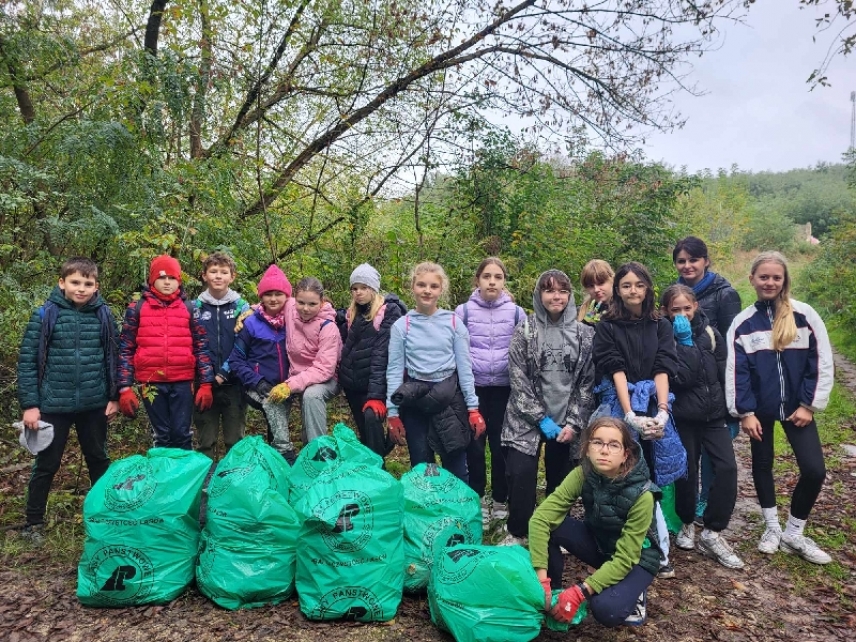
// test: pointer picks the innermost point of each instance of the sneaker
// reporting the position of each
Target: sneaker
(485, 512)
(699, 521)
(666, 572)
(500, 510)
(34, 534)
(686, 537)
(717, 548)
(769, 543)
(805, 548)
(511, 540)
(640, 613)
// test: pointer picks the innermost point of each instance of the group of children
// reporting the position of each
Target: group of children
(626, 394)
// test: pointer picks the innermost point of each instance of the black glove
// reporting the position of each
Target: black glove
(263, 388)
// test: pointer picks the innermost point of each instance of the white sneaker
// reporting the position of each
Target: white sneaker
(719, 549)
(640, 613)
(485, 511)
(500, 510)
(805, 548)
(769, 543)
(686, 537)
(511, 540)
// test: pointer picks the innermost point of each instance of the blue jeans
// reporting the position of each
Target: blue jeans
(170, 413)
(611, 606)
(416, 426)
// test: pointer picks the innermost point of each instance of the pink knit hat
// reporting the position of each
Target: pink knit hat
(274, 279)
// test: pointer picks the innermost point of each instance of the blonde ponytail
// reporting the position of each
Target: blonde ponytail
(784, 324)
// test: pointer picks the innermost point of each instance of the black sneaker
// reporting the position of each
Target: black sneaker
(666, 572)
(34, 534)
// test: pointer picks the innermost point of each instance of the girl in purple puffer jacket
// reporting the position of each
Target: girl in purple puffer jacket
(490, 316)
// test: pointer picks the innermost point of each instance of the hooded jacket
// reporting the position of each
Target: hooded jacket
(313, 346)
(443, 403)
(490, 324)
(720, 302)
(162, 342)
(699, 383)
(77, 361)
(532, 368)
(365, 352)
(218, 317)
(774, 384)
(641, 348)
(259, 352)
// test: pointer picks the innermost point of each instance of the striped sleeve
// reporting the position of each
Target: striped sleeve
(738, 381)
(820, 370)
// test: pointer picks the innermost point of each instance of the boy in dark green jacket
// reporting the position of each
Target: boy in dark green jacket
(67, 376)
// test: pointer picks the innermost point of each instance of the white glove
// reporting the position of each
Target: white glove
(662, 417)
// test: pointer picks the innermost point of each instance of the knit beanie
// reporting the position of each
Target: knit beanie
(274, 279)
(164, 265)
(367, 275)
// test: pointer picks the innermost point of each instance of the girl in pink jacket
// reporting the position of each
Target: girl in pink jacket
(314, 346)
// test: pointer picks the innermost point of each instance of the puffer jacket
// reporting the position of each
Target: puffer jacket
(699, 383)
(526, 408)
(491, 325)
(365, 352)
(314, 347)
(162, 342)
(448, 424)
(218, 317)
(78, 359)
(640, 348)
(720, 302)
(259, 352)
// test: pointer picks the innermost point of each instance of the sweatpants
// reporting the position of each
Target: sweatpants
(611, 606)
(521, 471)
(170, 411)
(230, 409)
(416, 426)
(369, 426)
(716, 440)
(492, 403)
(805, 443)
(707, 468)
(313, 408)
(91, 428)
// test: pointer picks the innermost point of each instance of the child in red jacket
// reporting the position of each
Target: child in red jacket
(164, 348)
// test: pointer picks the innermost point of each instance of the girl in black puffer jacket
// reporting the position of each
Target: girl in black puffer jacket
(700, 412)
(364, 327)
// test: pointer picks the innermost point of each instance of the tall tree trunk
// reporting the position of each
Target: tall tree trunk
(198, 112)
(25, 104)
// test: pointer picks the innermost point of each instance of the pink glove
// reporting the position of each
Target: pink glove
(128, 402)
(569, 601)
(477, 423)
(204, 397)
(396, 430)
(377, 406)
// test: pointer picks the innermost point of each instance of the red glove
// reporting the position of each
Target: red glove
(569, 601)
(377, 406)
(128, 402)
(548, 593)
(396, 430)
(477, 423)
(204, 397)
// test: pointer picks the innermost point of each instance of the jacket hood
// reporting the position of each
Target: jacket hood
(393, 300)
(503, 298)
(327, 312)
(699, 322)
(231, 297)
(57, 296)
(570, 313)
(440, 313)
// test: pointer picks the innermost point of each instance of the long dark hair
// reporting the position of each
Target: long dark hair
(626, 438)
(617, 309)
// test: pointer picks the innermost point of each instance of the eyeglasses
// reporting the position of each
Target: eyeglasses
(614, 447)
(626, 287)
(562, 292)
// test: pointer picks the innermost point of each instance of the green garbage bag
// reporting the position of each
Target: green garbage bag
(434, 500)
(351, 546)
(142, 529)
(327, 454)
(485, 593)
(248, 546)
(667, 505)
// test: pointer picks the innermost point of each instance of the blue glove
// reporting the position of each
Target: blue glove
(549, 427)
(683, 331)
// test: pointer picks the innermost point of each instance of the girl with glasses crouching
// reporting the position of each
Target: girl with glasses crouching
(617, 536)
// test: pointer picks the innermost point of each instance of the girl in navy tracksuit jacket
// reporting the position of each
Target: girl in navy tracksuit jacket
(780, 369)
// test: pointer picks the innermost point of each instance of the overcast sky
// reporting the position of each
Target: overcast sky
(758, 111)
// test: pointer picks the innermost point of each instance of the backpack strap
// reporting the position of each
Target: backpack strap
(48, 314)
(712, 338)
(323, 323)
(516, 315)
(467, 315)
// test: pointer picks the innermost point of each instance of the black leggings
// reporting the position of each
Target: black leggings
(805, 443)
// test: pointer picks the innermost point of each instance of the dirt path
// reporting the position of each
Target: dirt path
(773, 598)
